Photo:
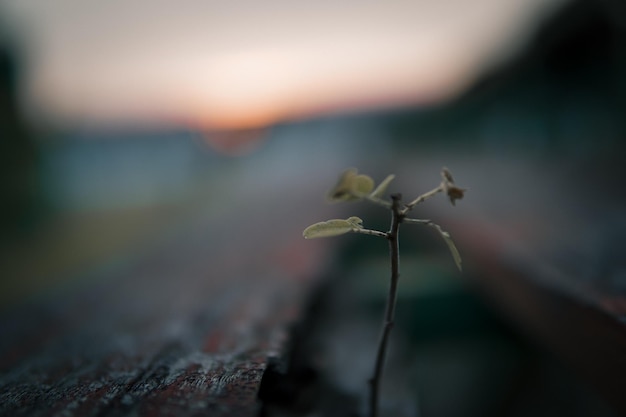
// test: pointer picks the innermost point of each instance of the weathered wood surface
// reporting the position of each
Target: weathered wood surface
(186, 327)
(182, 329)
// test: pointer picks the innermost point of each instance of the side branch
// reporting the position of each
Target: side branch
(371, 232)
(377, 200)
(408, 207)
(445, 235)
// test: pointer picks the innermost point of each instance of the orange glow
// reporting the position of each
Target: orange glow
(257, 88)
(223, 65)
(236, 142)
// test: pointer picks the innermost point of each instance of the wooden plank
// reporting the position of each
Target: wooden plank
(185, 329)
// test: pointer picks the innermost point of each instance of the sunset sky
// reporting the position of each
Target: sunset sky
(242, 64)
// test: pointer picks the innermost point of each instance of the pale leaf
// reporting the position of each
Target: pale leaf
(455, 252)
(356, 222)
(382, 187)
(362, 185)
(343, 190)
(351, 186)
(334, 227)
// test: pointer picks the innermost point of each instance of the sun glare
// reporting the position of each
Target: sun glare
(217, 66)
(258, 87)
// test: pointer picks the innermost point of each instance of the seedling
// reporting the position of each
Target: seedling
(353, 186)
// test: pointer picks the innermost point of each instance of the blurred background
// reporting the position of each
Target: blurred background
(126, 124)
(119, 118)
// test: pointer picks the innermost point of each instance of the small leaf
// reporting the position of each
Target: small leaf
(356, 222)
(334, 227)
(342, 191)
(351, 186)
(382, 187)
(455, 252)
(362, 185)
(454, 193)
(446, 175)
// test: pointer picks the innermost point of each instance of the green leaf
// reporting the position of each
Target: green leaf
(356, 222)
(362, 185)
(455, 252)
(333, 227)
(351, 186)
(342, 191)
(382, 187)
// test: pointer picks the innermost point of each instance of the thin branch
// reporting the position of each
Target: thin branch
(421, 199)
(426, 222)
(417, 221)
(446, 237)
(377, 200)
(394, 253)
(371, 232)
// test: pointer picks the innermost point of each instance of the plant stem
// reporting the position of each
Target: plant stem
(370, 232)
(421, 199)
(394, 253)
